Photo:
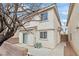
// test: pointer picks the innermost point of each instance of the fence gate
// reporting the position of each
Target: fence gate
(64, 37)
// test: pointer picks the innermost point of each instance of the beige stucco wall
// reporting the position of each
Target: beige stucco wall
(73, 23)
(56, 25)
(49, 42)
(53, 37)
(33, 23)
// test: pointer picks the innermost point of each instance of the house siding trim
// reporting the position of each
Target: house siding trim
(71, 7)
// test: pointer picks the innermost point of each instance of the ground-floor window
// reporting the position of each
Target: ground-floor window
(43, 35)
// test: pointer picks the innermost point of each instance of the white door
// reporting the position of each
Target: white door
(30, 38)
(25, 38)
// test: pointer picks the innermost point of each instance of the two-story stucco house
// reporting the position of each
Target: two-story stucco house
(44, 28)
(73, 26)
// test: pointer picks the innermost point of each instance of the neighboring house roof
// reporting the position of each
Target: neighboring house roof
(70, 12)
(45, 9)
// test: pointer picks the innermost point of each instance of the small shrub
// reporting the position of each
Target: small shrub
(37, 45)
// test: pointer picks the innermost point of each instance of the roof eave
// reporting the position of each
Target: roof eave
(70, 12)
(57, 14)
(48, 8)
(40, 11)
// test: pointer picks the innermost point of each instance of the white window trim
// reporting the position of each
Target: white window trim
(41, 17)
(44, 39)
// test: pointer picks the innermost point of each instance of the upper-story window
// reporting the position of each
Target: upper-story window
(44, 16)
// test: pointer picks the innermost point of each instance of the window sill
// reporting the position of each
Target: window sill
(44, 39)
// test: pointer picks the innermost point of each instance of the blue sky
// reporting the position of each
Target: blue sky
(63, 11)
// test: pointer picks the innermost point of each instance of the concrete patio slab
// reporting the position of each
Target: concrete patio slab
(58, 51)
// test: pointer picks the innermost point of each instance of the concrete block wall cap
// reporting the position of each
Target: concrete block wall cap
(15, 46)
(20, 48)
(14, 50)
